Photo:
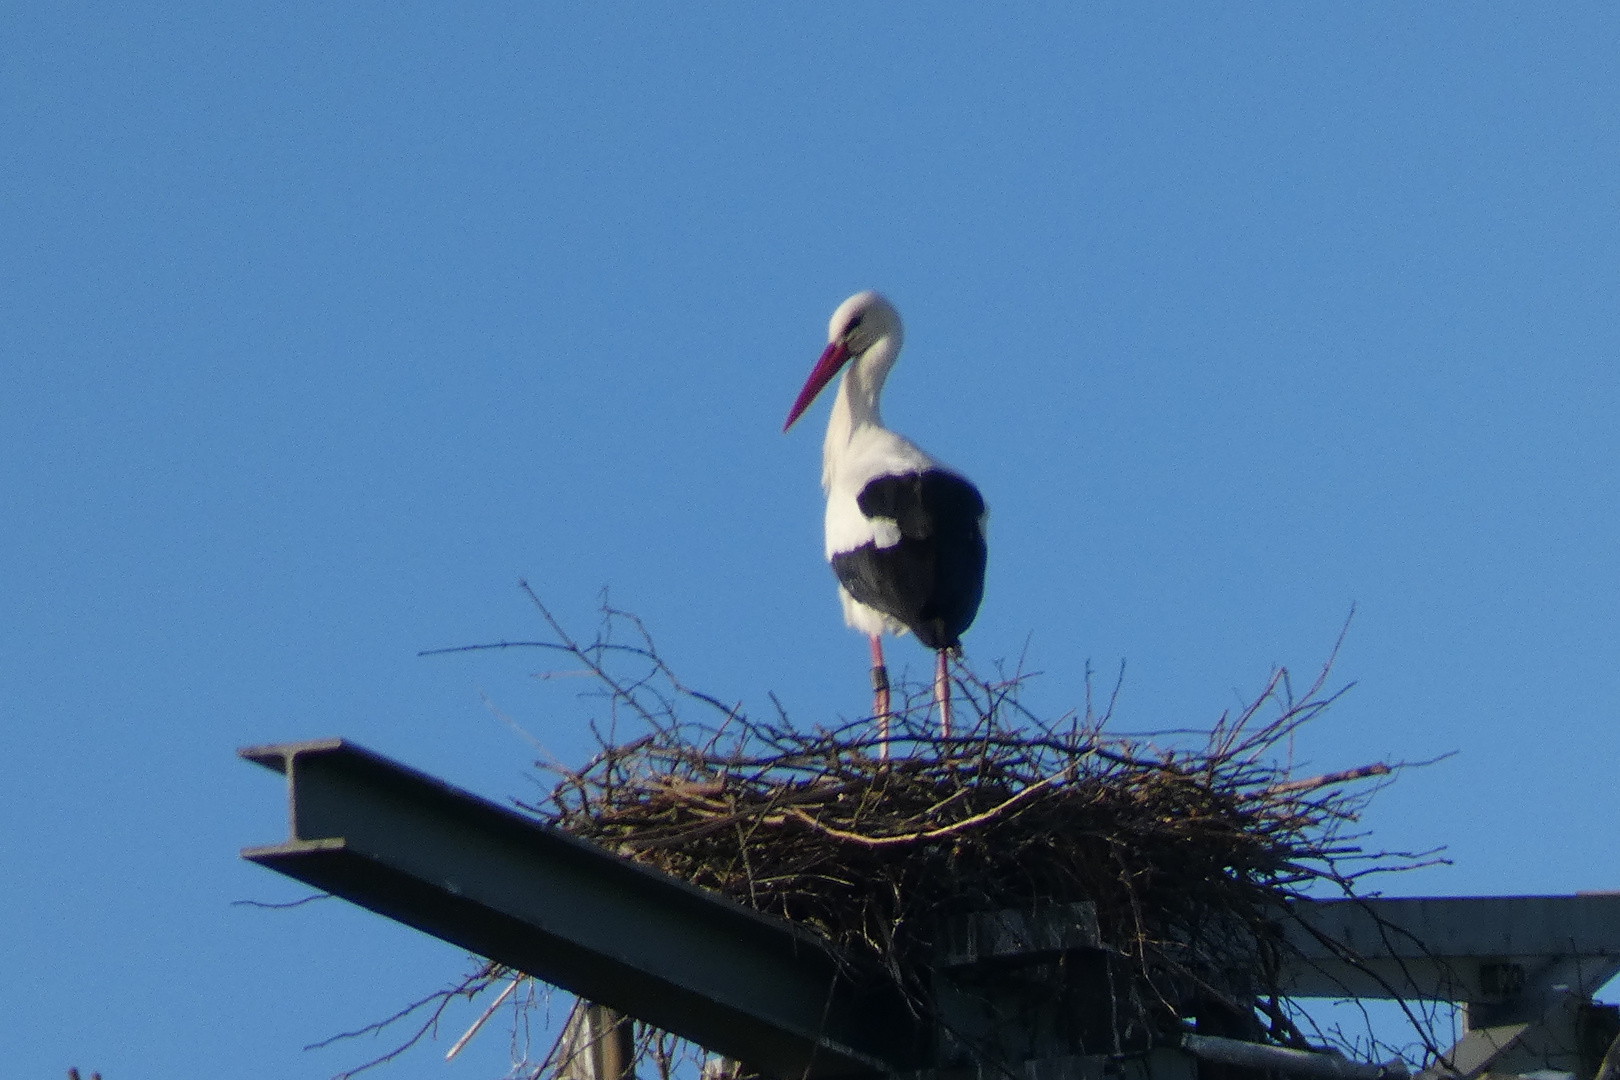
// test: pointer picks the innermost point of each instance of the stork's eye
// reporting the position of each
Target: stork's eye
(854, 324)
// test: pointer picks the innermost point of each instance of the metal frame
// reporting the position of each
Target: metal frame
(1483, 950)
(493, 881)
(760, 990)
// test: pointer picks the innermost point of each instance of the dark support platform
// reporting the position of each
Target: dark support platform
(764, 992)
(486, 878)
(1477, 949)
(1523, 967)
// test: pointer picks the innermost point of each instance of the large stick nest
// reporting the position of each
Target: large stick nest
(1187, 851)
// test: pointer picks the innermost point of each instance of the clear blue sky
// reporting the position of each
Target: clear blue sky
(321, 325)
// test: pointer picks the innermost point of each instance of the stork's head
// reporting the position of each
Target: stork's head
(860, 323)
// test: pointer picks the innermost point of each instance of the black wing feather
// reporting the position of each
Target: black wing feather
(933, 579)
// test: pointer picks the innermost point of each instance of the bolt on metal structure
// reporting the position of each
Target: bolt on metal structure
(762, 991)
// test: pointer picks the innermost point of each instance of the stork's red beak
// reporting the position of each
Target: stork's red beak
(831, 360)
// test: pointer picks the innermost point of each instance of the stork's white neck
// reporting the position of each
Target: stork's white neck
(857, 403)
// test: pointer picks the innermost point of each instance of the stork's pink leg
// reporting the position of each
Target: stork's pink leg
(942, 694)
(880, 696)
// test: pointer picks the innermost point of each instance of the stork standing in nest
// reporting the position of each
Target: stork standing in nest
(905, 534)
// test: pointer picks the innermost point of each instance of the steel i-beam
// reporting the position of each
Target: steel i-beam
(492, 881)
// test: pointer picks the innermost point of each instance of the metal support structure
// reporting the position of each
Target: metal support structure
(1523, 967)
(463, 869)
(762, 991)
(1484, 950)
(1248, 1055)
(597, 1043)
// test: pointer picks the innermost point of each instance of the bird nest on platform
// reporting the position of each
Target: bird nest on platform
(1186, 844)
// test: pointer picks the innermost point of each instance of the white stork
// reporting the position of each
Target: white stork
(905, 534)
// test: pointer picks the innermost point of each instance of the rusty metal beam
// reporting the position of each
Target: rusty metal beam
(493, 881)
